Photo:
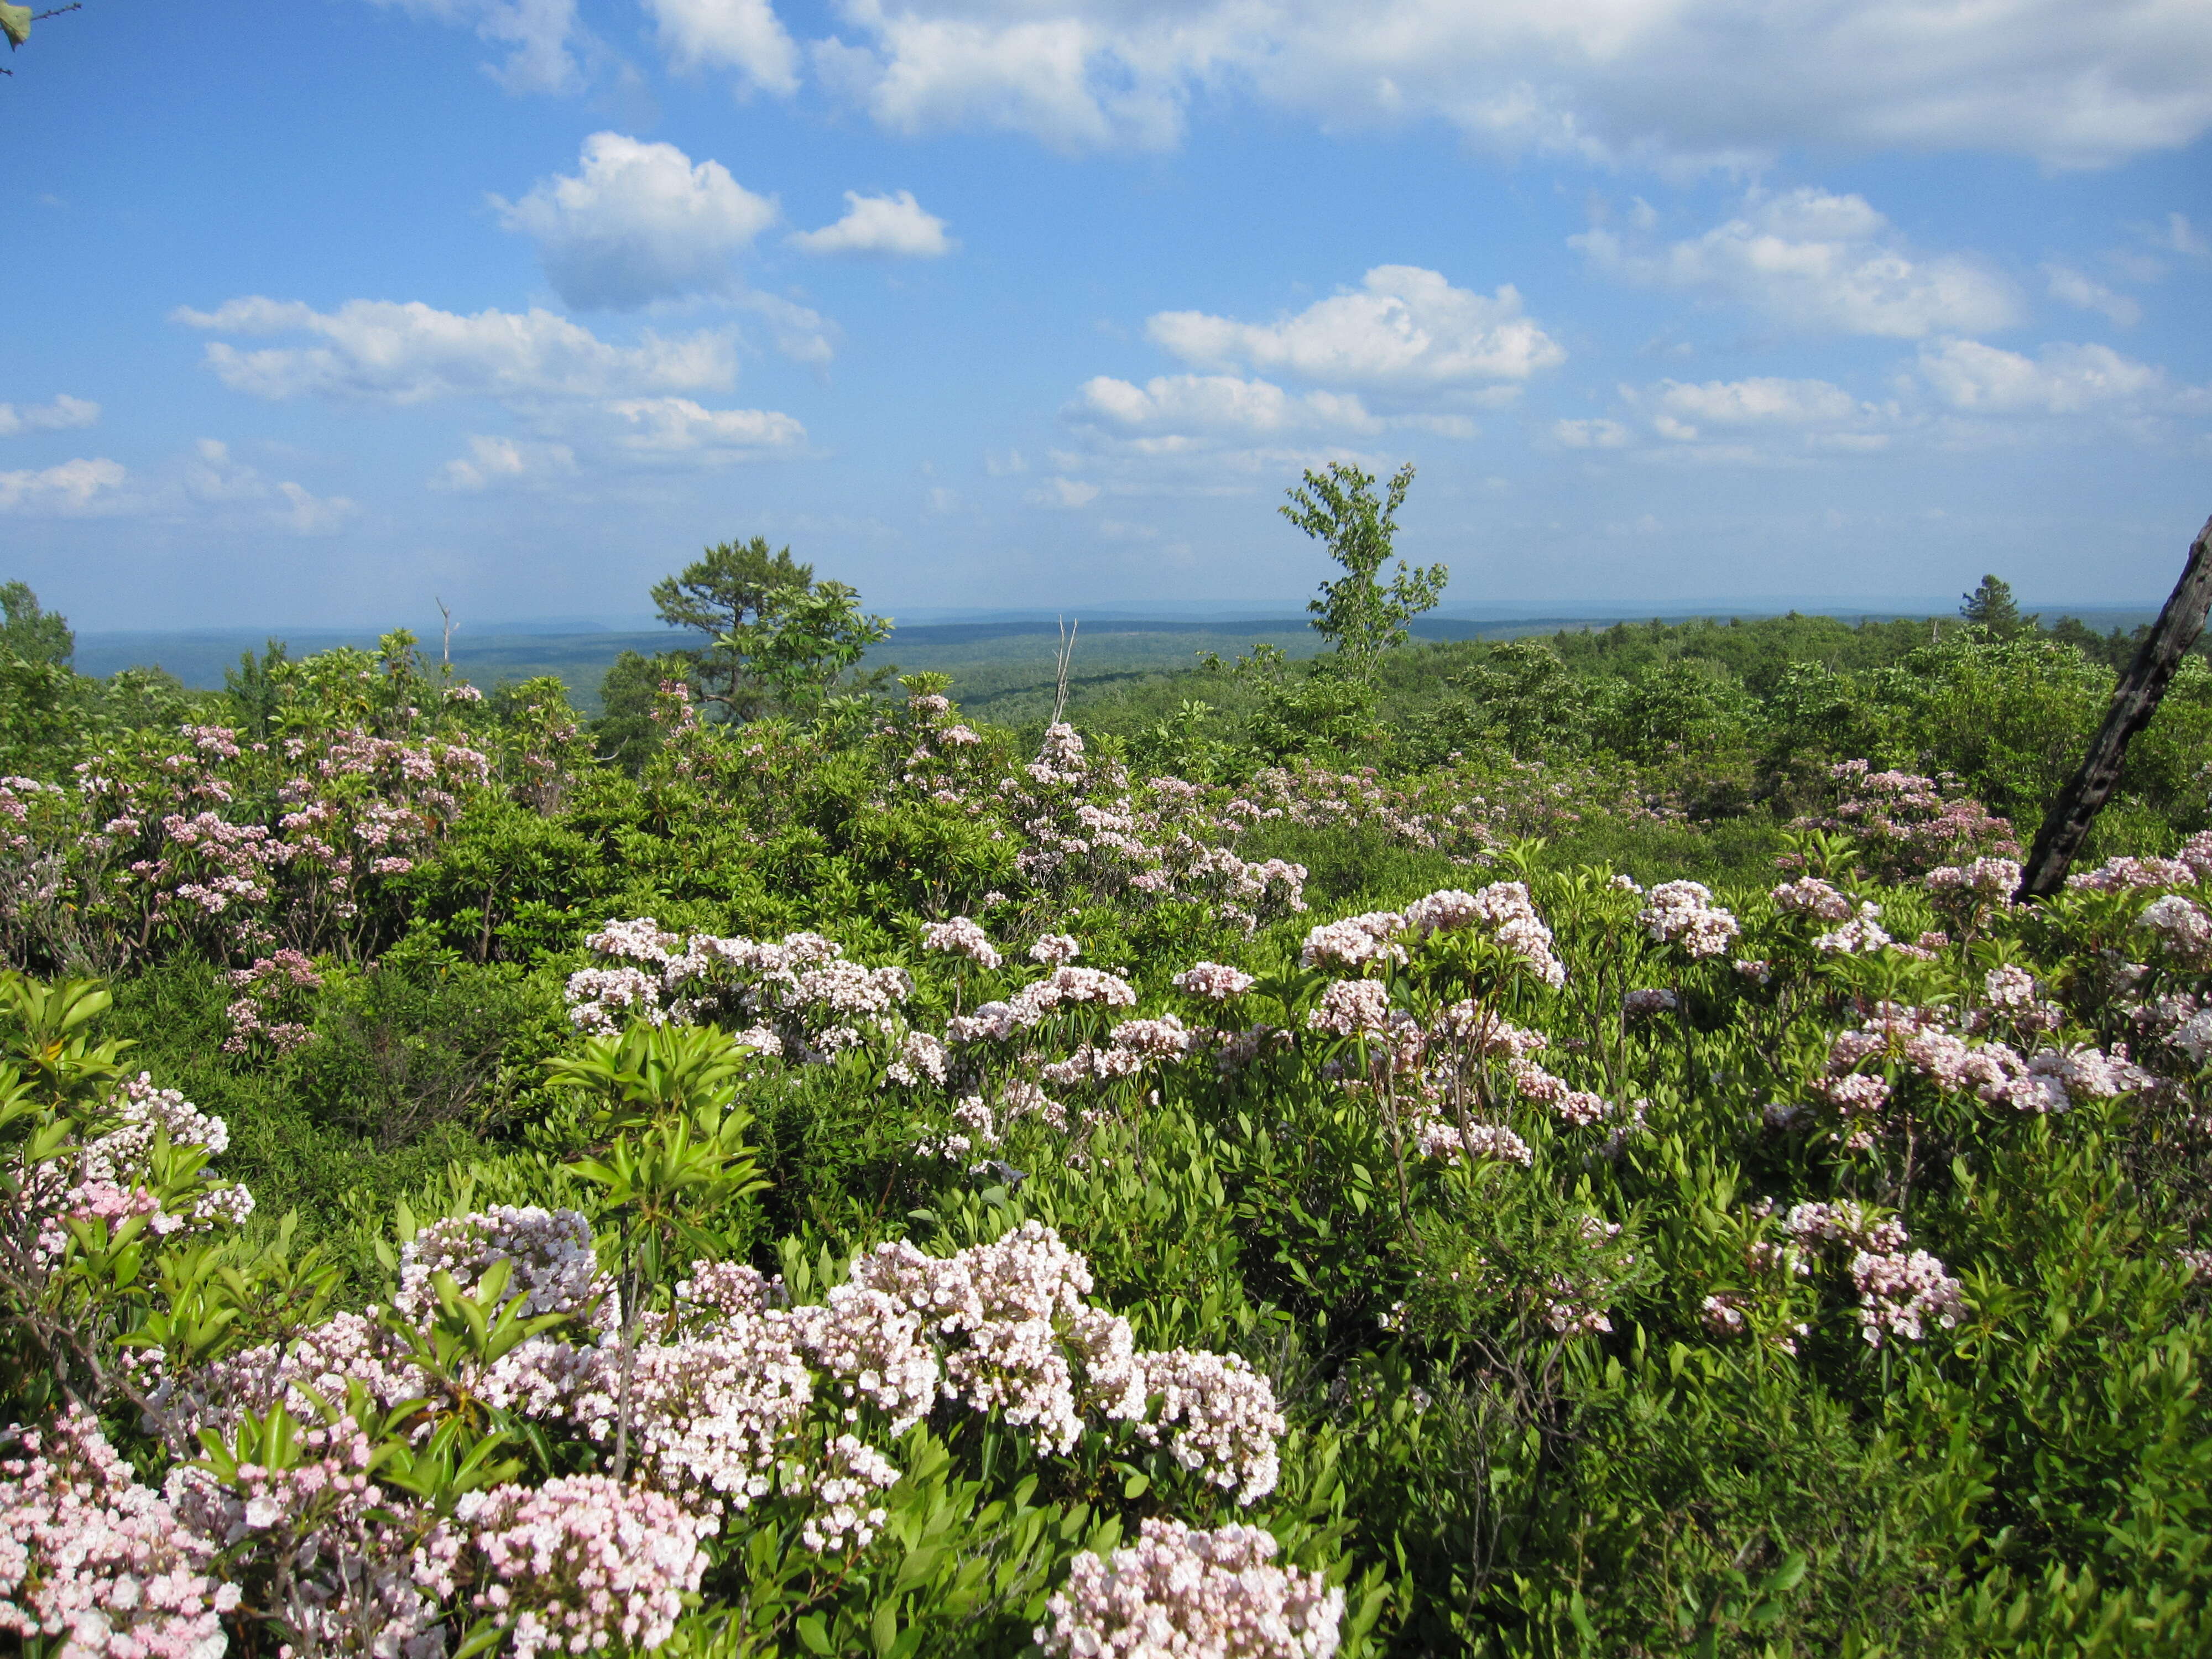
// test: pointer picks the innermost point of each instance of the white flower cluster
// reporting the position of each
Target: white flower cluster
(1205, 1595)
(1984, 880)
(1018, 1337)
(1504, 910)
(2181, 927)
(1381, 936)
(806, 1001)
(1683, 913)
(1862, 934)
(1213, 981)
(552, 1265)
(1353, 1007)
(1438, 1137)
(1064, 988)
(1809, 895)
(2191, 866)
(142, 1112)
(961, 937)
(1350, 944)
(1898, 1292)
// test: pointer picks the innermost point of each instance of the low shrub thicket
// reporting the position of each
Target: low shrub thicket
(865, 1186)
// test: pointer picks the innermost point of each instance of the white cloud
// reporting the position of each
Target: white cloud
(498, 461)
(1404, 328)
(1225, 404)
(1820, 262)
(638, 222)
(2062, 380)
(384, 351)
(542, 34)
(73, 487)
(62, 413)
(744, 35)
(2180, 236)
(213, 477)
(880, 224)
(1220, 402)
(1760, 401)
(314, 516)
(1063, 492)
(1590, 435)
(803, 335)
(2066, 84)
(677, 426)
(2075, 289)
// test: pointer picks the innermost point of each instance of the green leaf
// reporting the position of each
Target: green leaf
(813, 1633)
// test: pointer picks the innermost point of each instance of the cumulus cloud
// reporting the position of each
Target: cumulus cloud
(212, 476)
(800, 333)
(744, 35)
(677, 426)
(383, 351)
(1590, 435)
(1403, 328)
(62, 414)
(72, 487)
(1225, 404)
(1063, 492)
(637, 223)
(2068, 84)
(1760, 401)
(2075, 289)
(881, 224)
(2062, 379)
(1748, 412)
(1218, 403)
(493, 462)
(1820, 262)
(542, 36)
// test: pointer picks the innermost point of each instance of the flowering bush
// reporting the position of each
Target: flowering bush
(987, 1198)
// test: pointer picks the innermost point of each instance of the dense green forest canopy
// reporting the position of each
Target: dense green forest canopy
(1557, 1147)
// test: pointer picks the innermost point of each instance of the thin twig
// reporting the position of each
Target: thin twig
(1067, 655)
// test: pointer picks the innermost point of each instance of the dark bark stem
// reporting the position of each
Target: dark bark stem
(2134, 700)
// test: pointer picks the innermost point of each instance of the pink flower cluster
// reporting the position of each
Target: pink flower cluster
(1206, 1595)
(1900, 1291)
(1919, 1038)
(1809, 895)
(1906, 824)
(2192, 865)
(270, 983)
(581, 1564)
(92, 1557)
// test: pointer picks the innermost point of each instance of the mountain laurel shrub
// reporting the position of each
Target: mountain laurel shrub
(867, 1186)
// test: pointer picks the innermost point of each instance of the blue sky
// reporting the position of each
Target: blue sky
(319, 310)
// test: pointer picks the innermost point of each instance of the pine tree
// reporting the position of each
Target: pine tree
(1991, 608)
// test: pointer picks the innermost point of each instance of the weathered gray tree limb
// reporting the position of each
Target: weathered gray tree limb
(2134, 700)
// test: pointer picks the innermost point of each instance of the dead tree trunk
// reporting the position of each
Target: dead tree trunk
(2134, 700)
